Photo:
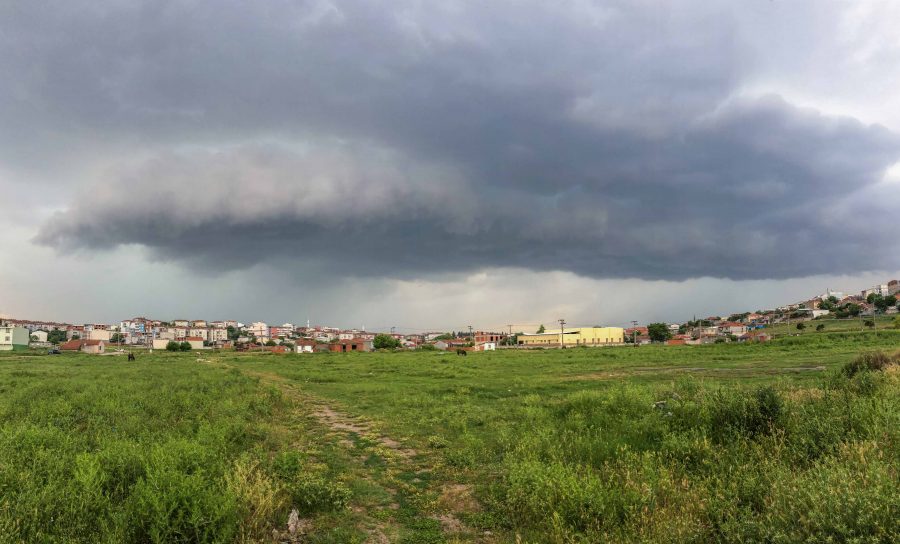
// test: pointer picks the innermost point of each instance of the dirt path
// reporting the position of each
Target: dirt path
(406, 477)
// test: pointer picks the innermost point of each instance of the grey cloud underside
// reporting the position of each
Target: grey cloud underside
(356, 139)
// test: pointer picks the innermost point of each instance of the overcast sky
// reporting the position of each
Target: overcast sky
(443, 164)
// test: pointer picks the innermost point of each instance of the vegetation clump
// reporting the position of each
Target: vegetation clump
(870, 361)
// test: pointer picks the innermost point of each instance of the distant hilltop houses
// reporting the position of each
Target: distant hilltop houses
(196, 334)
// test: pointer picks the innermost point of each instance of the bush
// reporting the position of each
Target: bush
(384, 341)
(750, 415)
(173, 346)
(870, 361)
(184, 346)
(310, 489)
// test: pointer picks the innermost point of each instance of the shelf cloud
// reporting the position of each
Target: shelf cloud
(358, 139)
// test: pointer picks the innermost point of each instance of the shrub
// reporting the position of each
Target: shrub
(752, 415)
(173, 346)
(309, 488)
(870, 361)
(184, 346)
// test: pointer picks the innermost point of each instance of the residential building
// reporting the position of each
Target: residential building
(882, 290)
(732, 327)
(217, 335)
(482, 337)
(259, 329)
(577, 336)
(829, 293)
(181, 323)
(199, 324)
(13, 338)
(893, 287)
(305, 346)
(39, 336)
(201, 332)
(346, 346)
(97, 334)
(94, 347)
(196, 342)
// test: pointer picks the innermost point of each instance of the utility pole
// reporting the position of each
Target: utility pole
(509, 336)
(392, 330)
(471, 338)
(562, 334)
(634, 333)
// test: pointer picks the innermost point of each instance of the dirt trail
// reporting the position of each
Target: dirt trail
(454, 498)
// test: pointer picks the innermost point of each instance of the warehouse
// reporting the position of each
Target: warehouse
(576, 336)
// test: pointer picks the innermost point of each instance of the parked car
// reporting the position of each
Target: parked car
(53, 351)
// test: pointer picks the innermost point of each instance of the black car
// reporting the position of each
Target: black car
(53, 351)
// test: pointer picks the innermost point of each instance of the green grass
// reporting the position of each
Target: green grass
(719, 443)
(831, 324)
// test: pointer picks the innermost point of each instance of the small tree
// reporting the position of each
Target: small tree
(869, 323)
(385, 341)
(658, 332)
(801, 326)
(883, 303)
(56, 336)
(820, 327)
(117, 337)
(271, 343)
(541, 329)
(184, 346)
(172, 345)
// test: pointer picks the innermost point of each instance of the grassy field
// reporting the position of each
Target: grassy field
(830, 324)
(719, 443)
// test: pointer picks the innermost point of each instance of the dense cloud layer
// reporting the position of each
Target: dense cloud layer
(358, 139)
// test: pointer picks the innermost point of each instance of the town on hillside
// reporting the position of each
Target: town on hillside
(198, 334)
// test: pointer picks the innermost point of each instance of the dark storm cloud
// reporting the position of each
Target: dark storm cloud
(609, 140)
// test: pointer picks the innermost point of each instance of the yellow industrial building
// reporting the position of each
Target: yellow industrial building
(576, 336)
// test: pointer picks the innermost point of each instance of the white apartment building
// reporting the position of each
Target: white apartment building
(217, 335)
(13, 338)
